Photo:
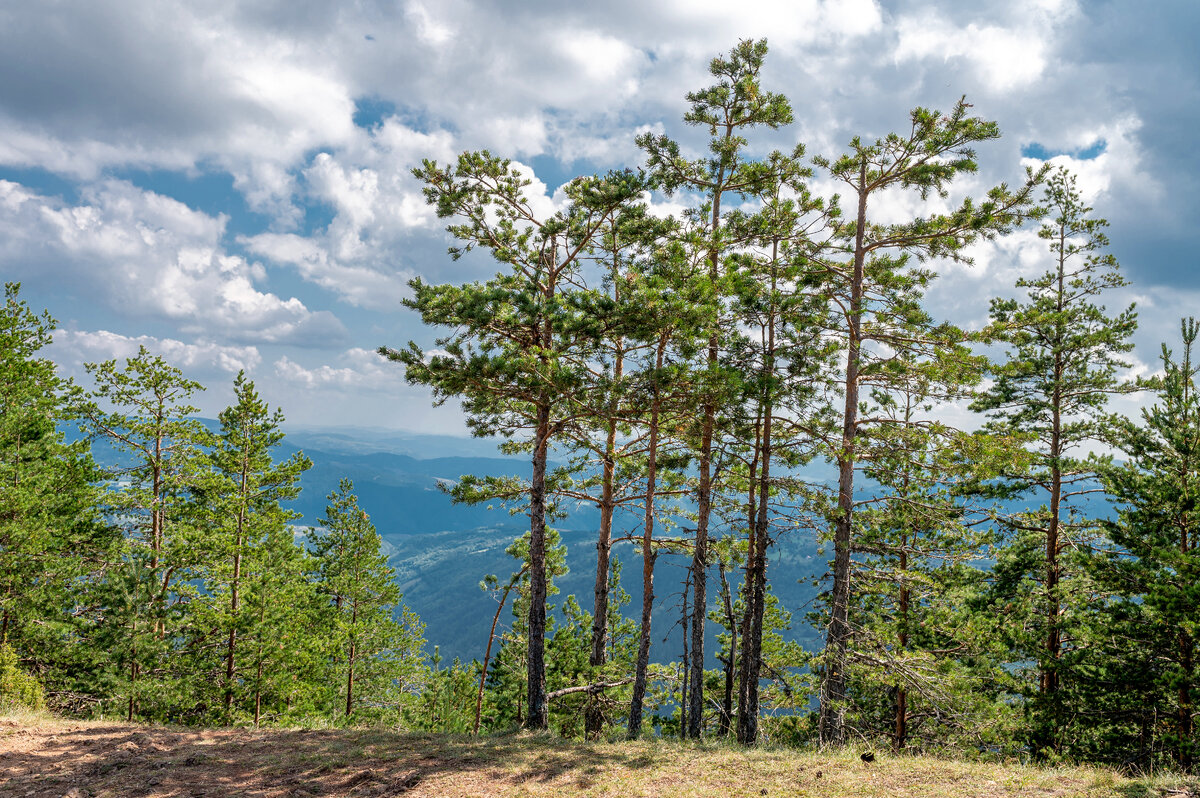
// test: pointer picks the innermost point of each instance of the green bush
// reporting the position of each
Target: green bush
(18, 690)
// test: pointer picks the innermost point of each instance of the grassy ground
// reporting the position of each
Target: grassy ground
(42, 756)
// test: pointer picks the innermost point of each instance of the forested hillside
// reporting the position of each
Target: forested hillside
(702, 413)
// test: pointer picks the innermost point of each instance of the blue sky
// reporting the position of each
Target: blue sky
(227, 182)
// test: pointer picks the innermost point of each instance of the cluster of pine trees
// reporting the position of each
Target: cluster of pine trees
(171, 587)
(760, 365)
(1000, 589)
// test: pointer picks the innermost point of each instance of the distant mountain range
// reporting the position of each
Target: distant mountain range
(441, 550)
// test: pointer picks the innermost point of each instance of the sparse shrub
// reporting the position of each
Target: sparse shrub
(18, 690)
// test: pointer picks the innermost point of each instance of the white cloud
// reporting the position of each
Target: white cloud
(363, 370)
(1007, 55)
(76, 347)
(149, 255)
(357, 284)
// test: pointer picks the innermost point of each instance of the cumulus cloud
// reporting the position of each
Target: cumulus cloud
(75, 347)
(317, 113)
(360, 369)
(1006, 55)
(151, 256)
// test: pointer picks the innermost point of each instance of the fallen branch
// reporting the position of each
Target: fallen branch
(586, 688)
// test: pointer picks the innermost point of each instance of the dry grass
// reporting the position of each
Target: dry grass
(43, 756)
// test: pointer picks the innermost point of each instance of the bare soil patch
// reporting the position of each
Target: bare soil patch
(48, 757)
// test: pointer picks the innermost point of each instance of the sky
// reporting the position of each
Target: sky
(227, 182)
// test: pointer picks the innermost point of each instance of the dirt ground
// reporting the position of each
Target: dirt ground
(44, 757)
(92, 760)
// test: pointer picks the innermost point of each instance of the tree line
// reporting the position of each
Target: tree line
(692, 368)
(171, 586)
(760, 365)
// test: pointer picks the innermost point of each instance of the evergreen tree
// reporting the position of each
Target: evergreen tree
(376, 641)
(52, 544)
(1155, 571)
(922, 652)
(145, 420)
(247, 527)
(727, 109)
(515, 356)
(782, 358)
(882, 327)
(1064, 355)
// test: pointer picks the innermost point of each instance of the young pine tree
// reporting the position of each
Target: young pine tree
(877, 290)
(144, 418)
(515, 356)
(246, 525)
(1156, 569)
(49, 531)
(1064, 354)
(731, 107)
(376, 642)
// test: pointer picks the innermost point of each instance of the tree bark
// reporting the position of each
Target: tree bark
(537, 717)
(744, 654)
(593, 719)
(350, 660)
(726, 719)
(901, 692)
(832, 719)
(230, 668)
(704, 487)
(648, 556)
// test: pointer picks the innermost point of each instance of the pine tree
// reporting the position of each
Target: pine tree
(727, 109)
(377, 643)
(921, 651)
(50, 536)
(242, 499)
(882, 327)
(1065, 353)
(145, 419)
(1156, 568)
(782, 358)
(515, 356)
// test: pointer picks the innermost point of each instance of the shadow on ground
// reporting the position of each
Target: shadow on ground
(147, 761)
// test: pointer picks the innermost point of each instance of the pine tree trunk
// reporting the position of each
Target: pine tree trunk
(230, 666)
(726, 719)
(648, 557)
(832, 720)
(1046, 733)
(593, 719)
(683, 691)
(745, 654)
(132, 660)
(704, 488)
(232, 643)
(760, 586)
(1186, 725)
(1186, 664)
(901, 692)
(537, 717)
(350, 662)
(258, 676)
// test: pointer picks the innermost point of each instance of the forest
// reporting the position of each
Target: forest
(760, 365)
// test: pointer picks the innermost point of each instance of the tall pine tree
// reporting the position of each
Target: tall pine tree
(1064, 355)
(877, 290)
(515, 356)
